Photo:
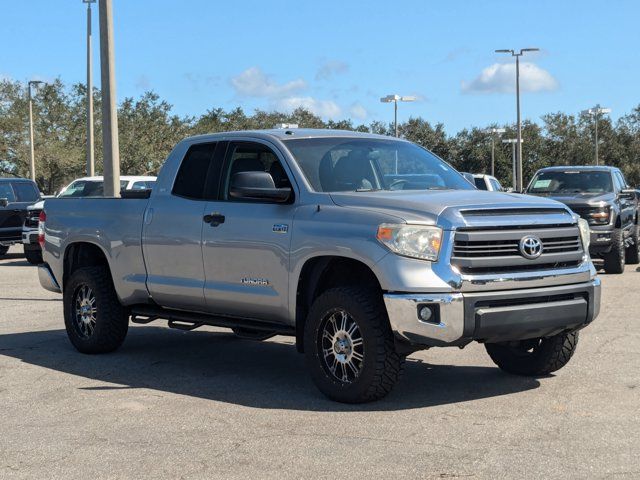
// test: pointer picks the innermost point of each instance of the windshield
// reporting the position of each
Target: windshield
(88, 188)
(571, 181)
(364, 164)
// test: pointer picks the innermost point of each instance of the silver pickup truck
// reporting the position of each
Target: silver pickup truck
(364, 248)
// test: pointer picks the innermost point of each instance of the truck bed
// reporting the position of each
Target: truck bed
(112, 224)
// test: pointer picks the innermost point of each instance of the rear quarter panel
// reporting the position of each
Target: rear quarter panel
(112, 224)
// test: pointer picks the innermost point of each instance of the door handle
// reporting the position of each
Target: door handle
(214, 219)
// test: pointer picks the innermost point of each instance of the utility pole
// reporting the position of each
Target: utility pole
(111, 148)
(519, 145)
(514, 166)
(32, 157)
(91, 169)
(595, 112)
(493, 132)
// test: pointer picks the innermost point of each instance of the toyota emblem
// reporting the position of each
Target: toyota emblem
(530, 247)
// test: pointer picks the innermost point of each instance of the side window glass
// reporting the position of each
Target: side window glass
(617, 181)
(623, 182)
(253, 157)
(26, 192)
(192, 175)
(7, 192)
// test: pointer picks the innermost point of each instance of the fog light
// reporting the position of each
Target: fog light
(425, 313)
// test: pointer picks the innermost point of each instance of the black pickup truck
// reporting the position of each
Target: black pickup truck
(601, 196)
(16, 194)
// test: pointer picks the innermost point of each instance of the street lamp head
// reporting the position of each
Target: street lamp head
(409, 98)
(35, 82)
(88, 1)
(529, 50)
(504, 50)
(390, 98)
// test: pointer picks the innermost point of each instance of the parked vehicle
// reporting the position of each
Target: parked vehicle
(601, 196)
(82, 187)
(16, 194)
(469, 178)
(299, 232)
(487, 182)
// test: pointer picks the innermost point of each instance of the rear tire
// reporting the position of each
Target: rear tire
(633, 251)
(615, 259)
(33, 256)
(535, 357)
(3, 250)
(95, 320)
(349, 346)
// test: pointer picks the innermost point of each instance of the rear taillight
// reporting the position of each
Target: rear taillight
(41, 221)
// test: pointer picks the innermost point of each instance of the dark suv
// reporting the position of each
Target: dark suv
(16, 194)
(602, 197)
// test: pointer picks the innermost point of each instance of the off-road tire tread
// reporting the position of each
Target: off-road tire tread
(389, 363)
(34, 257)
(554, 353)
(633, 251)
(112, 323)
(614, 261)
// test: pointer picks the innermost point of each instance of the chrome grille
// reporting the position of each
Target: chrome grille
(498, 250)
(33, 219)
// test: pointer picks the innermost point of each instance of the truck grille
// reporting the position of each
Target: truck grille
(33, 218)
(498, 250)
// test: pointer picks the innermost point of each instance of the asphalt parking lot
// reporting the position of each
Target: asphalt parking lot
(203, 404)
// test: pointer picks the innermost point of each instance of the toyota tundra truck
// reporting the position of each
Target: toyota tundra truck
(364, 248)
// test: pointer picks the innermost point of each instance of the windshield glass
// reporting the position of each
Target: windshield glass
(364, 164)
(571, 181)
(88, 188)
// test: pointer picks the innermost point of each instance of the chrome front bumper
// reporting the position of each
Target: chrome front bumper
(493, 316)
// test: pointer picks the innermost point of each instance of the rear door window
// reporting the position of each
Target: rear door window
(199, 173)
(26, 192)
(480, 183)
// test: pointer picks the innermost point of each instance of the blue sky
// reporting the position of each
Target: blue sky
(339, 58)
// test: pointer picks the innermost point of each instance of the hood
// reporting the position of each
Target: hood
(447, 207)
(583, 199)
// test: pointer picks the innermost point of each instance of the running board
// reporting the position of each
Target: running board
(190, 320)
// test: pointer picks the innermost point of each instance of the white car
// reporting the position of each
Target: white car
(487, 182)
(82, 187)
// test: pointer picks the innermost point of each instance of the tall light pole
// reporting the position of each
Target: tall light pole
(493, 132)
(395, 99)
(595, 112)
(516, 180)
(32, 158)
(519, 144)
(91, 169)
(111, 147)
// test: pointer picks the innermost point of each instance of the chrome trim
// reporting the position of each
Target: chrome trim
(403, 315)
(47, 280)
(531, 279)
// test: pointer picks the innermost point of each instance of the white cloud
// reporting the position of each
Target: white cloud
(358, 112)
(254, 82)
(330, 68)
(323, 108)
(500, 78)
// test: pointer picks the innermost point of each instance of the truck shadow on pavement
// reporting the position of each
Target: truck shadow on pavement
(220, 367)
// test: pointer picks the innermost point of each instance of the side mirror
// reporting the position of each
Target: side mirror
(4, 202)
(257, 186)
(628, 193)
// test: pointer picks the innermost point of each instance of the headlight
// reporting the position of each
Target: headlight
(415, 241)
(585, 233)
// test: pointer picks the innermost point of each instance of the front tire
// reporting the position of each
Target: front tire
(615, 259)
(534, 357)
(349, 346)
(33, 256)
(633, 251)
(95, 320)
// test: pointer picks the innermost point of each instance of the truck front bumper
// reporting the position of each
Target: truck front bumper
(495, 316)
